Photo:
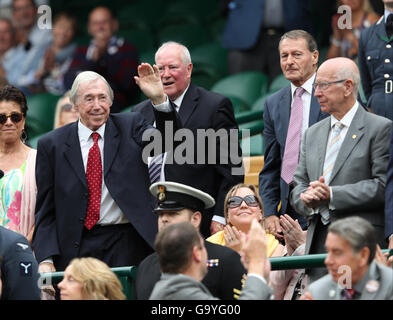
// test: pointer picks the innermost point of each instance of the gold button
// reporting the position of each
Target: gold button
(388, 46)
(387, 60)
(386, 76)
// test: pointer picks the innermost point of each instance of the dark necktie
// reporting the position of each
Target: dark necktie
(94, 182)
(389, 25)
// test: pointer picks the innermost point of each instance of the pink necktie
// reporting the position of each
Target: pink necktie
(292, 144)
(94, 182)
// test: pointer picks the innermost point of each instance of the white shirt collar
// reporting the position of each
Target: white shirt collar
(179, 99)
(306, 86)
(347, 119)
(84, 132)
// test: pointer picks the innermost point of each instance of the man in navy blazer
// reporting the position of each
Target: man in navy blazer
(254, 28)
(389, 197)
(125, 231)
(299, 58)
(199, 110)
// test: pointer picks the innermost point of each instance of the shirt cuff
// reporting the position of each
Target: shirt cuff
(219, 219)
(163, 107)
(48, 260)
(391, 236)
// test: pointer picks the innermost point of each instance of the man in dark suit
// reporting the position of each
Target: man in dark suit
(375, 58)
(343, 160)
(93, 185)
(389, 197)
(179, 203)
(198, 109)
(254, 28)
(299, 59)
(18, 268)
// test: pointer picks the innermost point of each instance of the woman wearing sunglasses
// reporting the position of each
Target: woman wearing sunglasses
(242, 205)
(17, 161)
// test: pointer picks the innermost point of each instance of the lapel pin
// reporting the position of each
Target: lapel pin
(354, 136)
(372, 286)
(212, 262)
(332, 293)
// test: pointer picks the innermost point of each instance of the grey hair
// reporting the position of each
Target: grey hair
(352, 74)
(185, 54)
(358, 232)
(87, 76)
(300, 34)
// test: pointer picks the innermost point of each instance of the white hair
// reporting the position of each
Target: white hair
(87, 76)
(185, 54)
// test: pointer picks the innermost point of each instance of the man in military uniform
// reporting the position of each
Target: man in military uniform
(178, 203)
(353, 274)
(375, 60)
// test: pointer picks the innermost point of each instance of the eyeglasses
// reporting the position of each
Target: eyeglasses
(14, 116)
(324, 85)
(235, 201)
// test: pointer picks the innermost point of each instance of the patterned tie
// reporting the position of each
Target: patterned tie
(94, 182)
(331, 155)
(348, 294)
(155, 166)
(292, 144)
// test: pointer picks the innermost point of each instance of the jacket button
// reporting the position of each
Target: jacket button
(388, 46)
(387, 60)
(386, 75)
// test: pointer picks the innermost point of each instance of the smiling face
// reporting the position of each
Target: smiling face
(340, 254)
(298, 64)
(63, 32)
(93, 103)
(174, 72)
(11, 132)
(243, 215)
(24, 13)
(102, 26)
(70, 288)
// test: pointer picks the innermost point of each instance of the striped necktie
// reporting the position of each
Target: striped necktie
(155, 166)
(331, 155)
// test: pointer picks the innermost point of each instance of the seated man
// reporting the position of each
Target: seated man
(18, 268)
(110, 56)
(180, 203)
(182, 256)
(351, 245)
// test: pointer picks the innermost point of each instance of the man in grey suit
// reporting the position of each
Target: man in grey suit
(182, 256)
(353, 275)
(343, 160)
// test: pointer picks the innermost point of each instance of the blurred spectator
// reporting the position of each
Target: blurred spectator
(6, 43)
(110, 56)
(58, 56)
(65, 111)
(376, 63)
(353, 274)
(344, 42)
(18, 188)
(253, 31)
(182, 256)
(242, 205)
(90, 279)
(31, 45)
(18, 268)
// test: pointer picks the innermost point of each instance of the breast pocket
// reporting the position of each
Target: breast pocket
(372, 58)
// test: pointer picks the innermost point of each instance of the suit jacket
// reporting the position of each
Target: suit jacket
(223, 280)
(327, 289)
(62, 197)
(277, 111)
(246, 17)
(19, 268)
(358, 177)
(375, 62)
(389, 194)
(202, 109)
(182, 287)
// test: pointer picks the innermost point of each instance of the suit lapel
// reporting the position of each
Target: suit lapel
(111, 144)
(370, 289)
(188, 104)
(315, 110)
(353, 136)
(73, 153)
(380, 30)
(322, 145)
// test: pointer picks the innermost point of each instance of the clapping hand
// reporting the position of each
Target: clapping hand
(149, 81)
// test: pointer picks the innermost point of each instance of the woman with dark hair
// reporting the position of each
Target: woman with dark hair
(18, 185)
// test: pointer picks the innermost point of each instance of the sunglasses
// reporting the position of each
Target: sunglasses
(235, 201)
(14, 116)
